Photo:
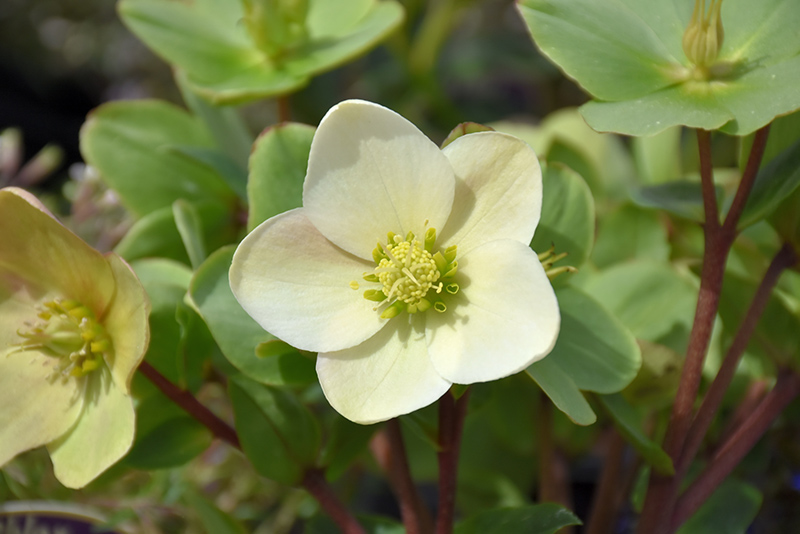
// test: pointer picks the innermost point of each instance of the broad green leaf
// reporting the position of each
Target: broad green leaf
(226, 125)
(223, 165)
(775, 182)
(562, 390)
(171, 444)
(628, 423)
(277, 170)
(655, 385)
(545, 518)
(212, 518)
(221, 62)
(130, 144)
(563, 136)
(236, 333)
(628, 233)
(567, 220)
(731, 509)
(156, 234)
(166, 283)
(278, 434)
(600, 43)
(658, 158)
(346, 441)
(187, 220)
(683, 198)
(649, 298)
(594, 349)
(290, 365)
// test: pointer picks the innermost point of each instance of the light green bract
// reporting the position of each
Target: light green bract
(408, 267)
(73, 329)
(235, 51)
(633, 57)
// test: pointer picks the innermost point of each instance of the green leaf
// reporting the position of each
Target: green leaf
(212, 518)
(567, 220)
(166, 283)
(546, 518)
(599, 43)
(236, 333)
(279, 435)
(207, 40)
(224, 166)
(129, 143)
(277, 170)
(171, 444)
(593, 348)
(226, 125)
(628, 423)
(731, 509)
(683, 198)
(346, 441)
(156, 234)
(187, 220)
(628, 233)
(286, 364)
(649, 298)
(775, 182)
(562, 390)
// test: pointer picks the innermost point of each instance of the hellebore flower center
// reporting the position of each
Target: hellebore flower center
(408, 272)
(69, 332)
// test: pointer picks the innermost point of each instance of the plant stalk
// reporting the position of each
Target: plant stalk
(452, 413)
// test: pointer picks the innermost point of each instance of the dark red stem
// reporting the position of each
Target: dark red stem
(452, 413)
(737, 446)
(784, 259)
(314, 482)
(191, 405)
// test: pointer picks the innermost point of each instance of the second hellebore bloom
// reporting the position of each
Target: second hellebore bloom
(73, 329)
(408, 267)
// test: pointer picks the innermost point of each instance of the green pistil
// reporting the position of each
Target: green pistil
(410, 275)
(69, 332)
(703, 38)
(549, 258)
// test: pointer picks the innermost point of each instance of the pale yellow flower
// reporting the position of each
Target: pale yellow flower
(73, 329)
(408, 267)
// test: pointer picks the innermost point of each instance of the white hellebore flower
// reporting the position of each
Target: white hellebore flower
(408, 267)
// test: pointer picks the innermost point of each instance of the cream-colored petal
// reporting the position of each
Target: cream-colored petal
(296, 285)
(388, 375)
(102, 435)
(370, 172)
(504, 317)
(498, 191)
(126, 322)
(34, 410)
(40, 250)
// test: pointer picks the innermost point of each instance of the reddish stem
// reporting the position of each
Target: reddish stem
(608, 494)
(784, 259)
(191, 405)
(314, 482)
(662, 491)
(737, 446)
(451, 423)
(389, 450)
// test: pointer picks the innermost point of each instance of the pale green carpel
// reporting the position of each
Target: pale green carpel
(73, 329)
(408, 267)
